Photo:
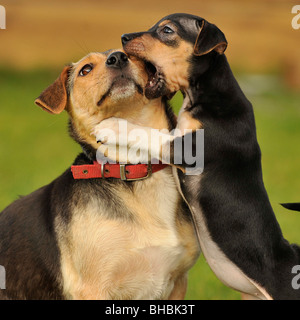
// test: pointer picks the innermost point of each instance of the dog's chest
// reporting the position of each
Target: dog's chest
(223, 268)
(119, 258)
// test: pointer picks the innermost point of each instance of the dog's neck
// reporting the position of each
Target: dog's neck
(156, 114)
(227, 118)
(215, 92)
(215, 98)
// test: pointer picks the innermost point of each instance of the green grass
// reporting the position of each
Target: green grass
(35, 149)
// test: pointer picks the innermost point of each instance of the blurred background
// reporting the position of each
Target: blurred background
(42, 36)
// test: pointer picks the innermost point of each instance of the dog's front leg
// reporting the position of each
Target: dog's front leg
(126, 142)
(180, 288)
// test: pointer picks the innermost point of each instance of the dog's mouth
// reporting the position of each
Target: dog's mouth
(122, 87)
(155, 86)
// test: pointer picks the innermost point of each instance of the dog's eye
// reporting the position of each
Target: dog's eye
(85, 70)
(167, 29)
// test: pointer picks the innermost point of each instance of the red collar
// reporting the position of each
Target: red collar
(128, 172)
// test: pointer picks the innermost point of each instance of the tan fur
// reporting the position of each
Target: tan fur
(186, 121)
(180, 288)
(245, 296)
(171, 60)
(163, 23)
(140, 259)
(85, 94)
(148, 255)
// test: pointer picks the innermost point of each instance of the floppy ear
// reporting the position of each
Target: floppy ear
(54, 98)
(209, 38)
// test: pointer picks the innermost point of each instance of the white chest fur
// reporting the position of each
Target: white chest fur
(106, 258)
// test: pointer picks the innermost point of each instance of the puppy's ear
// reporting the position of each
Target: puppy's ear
(209, 38)
(54, 98)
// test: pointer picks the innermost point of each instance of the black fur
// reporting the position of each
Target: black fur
(232, 197)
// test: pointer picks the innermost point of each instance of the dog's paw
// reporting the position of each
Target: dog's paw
(108, 131)
(121, 140)
(112, 154)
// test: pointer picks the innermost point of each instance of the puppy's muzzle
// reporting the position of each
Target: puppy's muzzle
(127, 37)
(117, 60)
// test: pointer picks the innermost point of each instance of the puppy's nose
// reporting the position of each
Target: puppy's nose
(125, 38)
(117, 60)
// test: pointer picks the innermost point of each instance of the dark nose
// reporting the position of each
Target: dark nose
(130, 36)
(117, 60)
(125, 38)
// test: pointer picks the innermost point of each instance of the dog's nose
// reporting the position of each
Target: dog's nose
(117, 60)
(125, 38)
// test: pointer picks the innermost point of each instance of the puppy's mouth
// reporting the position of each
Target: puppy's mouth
(155, 86)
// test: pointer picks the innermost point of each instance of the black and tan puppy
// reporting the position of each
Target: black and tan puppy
(237, 228)
(99, 238)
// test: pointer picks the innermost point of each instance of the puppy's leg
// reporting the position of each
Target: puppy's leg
(144, 144)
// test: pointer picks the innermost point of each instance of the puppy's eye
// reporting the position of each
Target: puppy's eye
(86, 70)
(167, 29)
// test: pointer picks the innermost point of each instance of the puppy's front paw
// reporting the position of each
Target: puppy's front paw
(111, 134)
(124, 140)
(108, 131)
(112, 154)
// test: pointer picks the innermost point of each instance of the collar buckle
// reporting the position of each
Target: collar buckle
(123, 173)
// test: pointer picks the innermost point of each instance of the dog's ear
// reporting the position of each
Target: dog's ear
(210, 37)
(54, 98)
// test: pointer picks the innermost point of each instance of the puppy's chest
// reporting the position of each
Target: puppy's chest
(224, 268)
(124, 258)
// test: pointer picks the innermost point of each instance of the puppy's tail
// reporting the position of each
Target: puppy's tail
(292, 206)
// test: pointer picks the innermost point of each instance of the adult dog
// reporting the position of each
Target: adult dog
(91, 233)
